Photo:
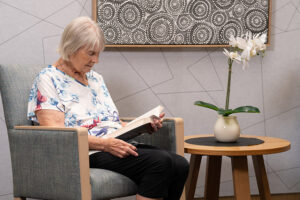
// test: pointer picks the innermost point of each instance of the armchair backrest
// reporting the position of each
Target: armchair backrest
(15, 84)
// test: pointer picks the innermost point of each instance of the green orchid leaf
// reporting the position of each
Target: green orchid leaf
(221, 111)
(246, 109)
(206, 105)
(225, 112)
(242, 109)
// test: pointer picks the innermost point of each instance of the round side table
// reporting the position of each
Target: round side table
(238, 155)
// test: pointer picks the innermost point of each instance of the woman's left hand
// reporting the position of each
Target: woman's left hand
(157, 122)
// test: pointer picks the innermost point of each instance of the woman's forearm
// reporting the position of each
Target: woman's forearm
(96, 143)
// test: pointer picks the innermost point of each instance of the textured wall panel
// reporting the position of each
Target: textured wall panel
(178, 22)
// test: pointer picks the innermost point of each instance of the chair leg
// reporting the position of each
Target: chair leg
(19, 198)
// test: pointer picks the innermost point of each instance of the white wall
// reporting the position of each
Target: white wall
(139, 79)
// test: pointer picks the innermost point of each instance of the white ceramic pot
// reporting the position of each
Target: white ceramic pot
(227, 129)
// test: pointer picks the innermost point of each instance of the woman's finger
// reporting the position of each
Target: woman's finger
(133, 147)
(125, 144)
(130, 149)
(159, 125)
(161, 115)
(117, 154)
(131, 152)
(121, 153)
(154, 127)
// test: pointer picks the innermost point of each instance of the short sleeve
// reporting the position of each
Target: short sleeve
(43, 95)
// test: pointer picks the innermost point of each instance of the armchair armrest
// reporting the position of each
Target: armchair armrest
(50, 162)
(179, 134)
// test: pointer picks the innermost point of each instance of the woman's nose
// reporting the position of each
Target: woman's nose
(95, 59)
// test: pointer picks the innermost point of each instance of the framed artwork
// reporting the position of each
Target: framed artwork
(180, 23)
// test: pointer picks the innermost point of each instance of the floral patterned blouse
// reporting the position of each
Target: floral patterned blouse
(88, 106)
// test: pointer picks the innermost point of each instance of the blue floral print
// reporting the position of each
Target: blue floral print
(70, 120)
(105, 91)
(75, 98)
(100, 132)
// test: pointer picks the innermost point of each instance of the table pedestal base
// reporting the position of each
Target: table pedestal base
(239, 173)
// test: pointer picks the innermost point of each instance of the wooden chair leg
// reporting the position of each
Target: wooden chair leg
(183, 195)
(212, 180)
(261, 177)
(193, 176)
(240, 177)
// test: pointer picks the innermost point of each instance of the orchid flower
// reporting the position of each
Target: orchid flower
(232, 41)
(245, 47)
(232, 55)
(260, 41)
(242, 43)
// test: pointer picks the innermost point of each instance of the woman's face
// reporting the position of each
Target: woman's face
(84, 59)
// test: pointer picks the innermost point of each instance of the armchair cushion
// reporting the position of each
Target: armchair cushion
(105, 183)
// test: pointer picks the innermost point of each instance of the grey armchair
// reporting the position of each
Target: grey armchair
(52, 163)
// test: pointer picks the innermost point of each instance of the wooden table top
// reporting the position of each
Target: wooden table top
(271, 145)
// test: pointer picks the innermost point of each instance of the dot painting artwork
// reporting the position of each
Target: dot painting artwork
(188, 23)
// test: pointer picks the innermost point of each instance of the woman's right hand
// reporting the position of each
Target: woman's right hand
(119, 147)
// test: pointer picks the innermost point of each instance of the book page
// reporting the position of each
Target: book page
(154, 112)
(139, 125)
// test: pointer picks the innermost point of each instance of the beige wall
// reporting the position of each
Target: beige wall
(139, 79)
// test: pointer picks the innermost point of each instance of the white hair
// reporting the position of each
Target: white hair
(80, 32)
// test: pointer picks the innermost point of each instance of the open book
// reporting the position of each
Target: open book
(138, 126)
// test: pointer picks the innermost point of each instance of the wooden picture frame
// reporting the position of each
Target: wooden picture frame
(180, 23)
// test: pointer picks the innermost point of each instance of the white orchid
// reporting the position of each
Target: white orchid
(232, 55)
(237, 42)
(245, 48)
(233, 41)
(248, 45)
(260, 41)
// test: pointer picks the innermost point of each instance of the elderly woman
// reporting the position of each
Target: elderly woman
(69, 93)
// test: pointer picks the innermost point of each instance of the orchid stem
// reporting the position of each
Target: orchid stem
(228, 83)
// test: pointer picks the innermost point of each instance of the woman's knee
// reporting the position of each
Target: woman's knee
(163, 160)
(173, 164)
(181, 165)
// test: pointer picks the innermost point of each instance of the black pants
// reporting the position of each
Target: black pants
(158, 173)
